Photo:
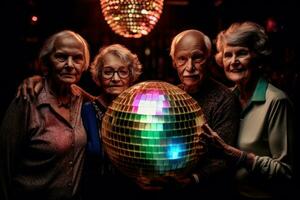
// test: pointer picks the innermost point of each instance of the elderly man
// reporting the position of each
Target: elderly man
(191, 53)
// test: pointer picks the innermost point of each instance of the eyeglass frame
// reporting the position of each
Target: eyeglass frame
(105, 76)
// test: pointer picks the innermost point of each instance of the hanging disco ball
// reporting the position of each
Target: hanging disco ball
(131, 18)
(152, 129)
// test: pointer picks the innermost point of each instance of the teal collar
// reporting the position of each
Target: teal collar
(259, 94)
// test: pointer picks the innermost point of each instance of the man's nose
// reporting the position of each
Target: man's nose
(189, 65)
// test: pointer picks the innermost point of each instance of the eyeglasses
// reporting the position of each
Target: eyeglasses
(109, 72)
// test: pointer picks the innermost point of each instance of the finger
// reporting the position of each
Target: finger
(207, 130)
(18, 92)
(146, 184)
(205, 127)
(30, 88)
(204, 141)
(205, 135)
(38, 87)
(143, 180)
(79, 90)
(24, 92)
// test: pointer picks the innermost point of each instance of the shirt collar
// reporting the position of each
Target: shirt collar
(259, 94)
(46, 97)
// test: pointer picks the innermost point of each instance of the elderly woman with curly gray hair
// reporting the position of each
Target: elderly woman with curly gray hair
(263, 155)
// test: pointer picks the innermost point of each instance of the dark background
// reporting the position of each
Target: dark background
(22, 38)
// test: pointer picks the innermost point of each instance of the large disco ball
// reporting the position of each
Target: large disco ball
(153, 129)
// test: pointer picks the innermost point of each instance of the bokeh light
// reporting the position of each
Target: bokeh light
(153, 129)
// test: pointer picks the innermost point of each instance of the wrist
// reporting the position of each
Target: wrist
(249, 161)
(239, 157)
(234, 155)
(232, 152)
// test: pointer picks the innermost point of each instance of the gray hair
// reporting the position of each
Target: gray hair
(245, 34)
(48, 47)
(181, 35)
(131, 60)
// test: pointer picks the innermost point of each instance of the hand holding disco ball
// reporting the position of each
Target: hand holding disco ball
(172, 182)
(153, 129)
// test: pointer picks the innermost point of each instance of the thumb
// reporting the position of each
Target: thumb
(38, 87)
(207, 130)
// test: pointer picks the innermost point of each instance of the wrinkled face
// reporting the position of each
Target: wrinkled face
(67, 61)
(114, 76)
(190, 58)
(237, 63)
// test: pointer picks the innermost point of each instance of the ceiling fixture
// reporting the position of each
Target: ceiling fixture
(131, 18)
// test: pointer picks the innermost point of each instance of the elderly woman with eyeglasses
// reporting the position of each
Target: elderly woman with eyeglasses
(114, 69)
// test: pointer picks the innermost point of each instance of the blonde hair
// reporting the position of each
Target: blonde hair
(246, 34)
(131, 60)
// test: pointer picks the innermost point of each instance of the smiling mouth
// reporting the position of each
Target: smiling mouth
(191, 77)
(238, 70)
